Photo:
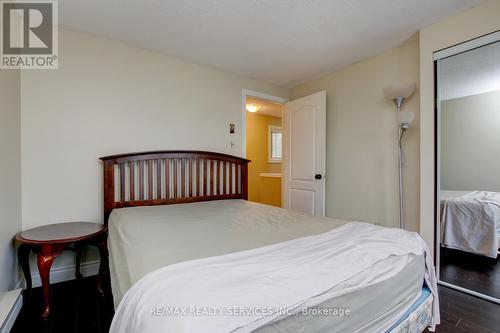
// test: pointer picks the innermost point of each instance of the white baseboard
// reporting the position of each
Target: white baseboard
(65, 273)
(10, 306)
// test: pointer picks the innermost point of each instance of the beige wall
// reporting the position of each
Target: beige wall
(261, 189)
(470, 143)
(10, 175)
(361, 138)
(470, 24)
(108, 97)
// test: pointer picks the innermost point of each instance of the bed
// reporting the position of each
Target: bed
(470, 221)
(183, 237)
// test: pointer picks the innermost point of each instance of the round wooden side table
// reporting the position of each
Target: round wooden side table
(49, 241)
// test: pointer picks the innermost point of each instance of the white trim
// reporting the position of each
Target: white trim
(470, 292)
(250, 93)
(437, 217)
(20, 283)
(271, 174)
(66, 273)
(11, 304)
(467, 46)
(273, 129)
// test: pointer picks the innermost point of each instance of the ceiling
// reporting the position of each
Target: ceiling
(267, 108)
(470, 73)
(278, 41)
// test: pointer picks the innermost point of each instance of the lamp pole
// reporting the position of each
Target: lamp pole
(401, 130)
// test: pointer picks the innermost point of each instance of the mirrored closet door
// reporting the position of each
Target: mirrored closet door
(468, 167)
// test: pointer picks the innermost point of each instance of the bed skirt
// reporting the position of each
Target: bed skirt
(418, 318)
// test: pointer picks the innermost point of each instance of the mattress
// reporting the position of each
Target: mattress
(143, 239)
(372, 309)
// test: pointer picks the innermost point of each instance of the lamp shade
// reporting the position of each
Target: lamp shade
(401, 90)
(405, 117)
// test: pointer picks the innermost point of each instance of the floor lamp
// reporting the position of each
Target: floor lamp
(398, 93)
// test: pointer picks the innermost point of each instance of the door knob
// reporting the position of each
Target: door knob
(318, 176)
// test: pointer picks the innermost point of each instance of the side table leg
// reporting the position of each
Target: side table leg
(78, 251)
(102, 281)
(23, 255)
(44, 261)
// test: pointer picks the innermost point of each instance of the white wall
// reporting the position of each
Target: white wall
(107, 98)
(361, 138)
(10, 176)
(457, 29)
(470, 143)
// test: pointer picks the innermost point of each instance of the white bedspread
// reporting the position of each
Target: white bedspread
(262, 282)
(471, 223)
(144, 239)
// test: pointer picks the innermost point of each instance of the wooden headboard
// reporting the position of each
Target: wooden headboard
(170, 177)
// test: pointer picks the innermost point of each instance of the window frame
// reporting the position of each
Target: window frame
(270, 130)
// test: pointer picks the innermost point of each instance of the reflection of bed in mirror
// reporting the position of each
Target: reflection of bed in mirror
(470, 221)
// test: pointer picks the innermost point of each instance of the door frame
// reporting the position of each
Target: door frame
(251, 93)
(267, 97)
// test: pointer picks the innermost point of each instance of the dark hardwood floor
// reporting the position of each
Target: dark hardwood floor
(478, 273)
(77, 307)
(463, 313)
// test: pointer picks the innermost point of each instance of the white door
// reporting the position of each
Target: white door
(304, 144)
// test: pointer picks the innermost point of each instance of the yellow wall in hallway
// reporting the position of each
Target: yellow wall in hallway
(265, 190)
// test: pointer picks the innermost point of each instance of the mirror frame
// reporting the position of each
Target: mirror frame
(437, 56)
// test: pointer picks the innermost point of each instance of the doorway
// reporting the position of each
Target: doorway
(264, 148)
(299, 151)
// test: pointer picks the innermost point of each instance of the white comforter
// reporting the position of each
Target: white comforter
(471, 222)
(240, 292)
